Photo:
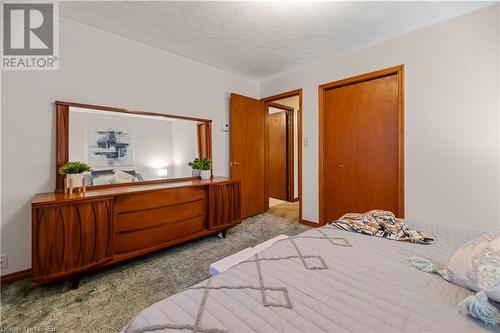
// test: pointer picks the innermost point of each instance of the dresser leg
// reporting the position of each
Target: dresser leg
(224, 232)
(75, 283)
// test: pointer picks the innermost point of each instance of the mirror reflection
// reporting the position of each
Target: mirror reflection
(123, 147)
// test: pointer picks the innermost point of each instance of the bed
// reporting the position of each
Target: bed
(323, 280)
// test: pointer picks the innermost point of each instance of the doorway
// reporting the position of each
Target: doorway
(249, 154)
(281, 151)
(361, 144)
(284, 154)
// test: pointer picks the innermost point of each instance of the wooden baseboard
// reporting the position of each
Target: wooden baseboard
(16, 276)
(310, 223)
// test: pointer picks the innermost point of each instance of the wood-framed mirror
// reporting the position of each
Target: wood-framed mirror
(128, 147)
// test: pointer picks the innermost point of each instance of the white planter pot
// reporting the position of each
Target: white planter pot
(77, 179)
(195, 172)
(205, 174)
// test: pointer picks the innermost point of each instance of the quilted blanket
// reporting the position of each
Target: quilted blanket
(323, 280)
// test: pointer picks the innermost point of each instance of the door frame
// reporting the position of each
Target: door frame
(399, 72)
(290, 186)
(296, 92)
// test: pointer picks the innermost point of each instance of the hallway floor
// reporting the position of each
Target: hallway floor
(284, 209)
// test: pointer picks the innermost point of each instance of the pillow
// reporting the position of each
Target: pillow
(99, 173)
(138, 177)
(476, 266)
(122, 177)
(130, 172)
(102, 177)
(104, 180)
(88, 178)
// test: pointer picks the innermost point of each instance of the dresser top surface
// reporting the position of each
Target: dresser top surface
(55, 197)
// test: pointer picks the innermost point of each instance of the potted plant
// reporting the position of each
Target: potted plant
(205, 166)
(195, 166)
(74, 172)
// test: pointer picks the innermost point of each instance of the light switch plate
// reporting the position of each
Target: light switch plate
(306, 141)
(224, 126)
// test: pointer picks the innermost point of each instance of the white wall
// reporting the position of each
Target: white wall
(451, 116)
(184, 146)
(104, 69)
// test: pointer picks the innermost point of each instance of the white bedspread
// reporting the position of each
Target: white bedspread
(324, 280)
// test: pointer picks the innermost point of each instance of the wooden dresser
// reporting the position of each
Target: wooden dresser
(77, 233)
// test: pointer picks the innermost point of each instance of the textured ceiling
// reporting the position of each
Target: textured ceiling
(261, 39)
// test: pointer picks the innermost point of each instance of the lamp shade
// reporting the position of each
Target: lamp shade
(162, 172)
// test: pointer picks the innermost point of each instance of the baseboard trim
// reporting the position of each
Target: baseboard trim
(16, 276)
(310, 223)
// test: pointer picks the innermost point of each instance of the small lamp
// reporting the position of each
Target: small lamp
(162, 172)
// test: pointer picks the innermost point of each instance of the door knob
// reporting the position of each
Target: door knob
(234, 164)
(340, 165)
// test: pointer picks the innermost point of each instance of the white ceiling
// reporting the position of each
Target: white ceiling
(261, 39)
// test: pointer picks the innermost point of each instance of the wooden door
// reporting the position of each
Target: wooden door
(277, 127)
(361, 155)
(204, 135)
(248, 150)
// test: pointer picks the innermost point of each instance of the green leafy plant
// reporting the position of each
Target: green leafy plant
(195, 164)
(205, 164)
(74, 167)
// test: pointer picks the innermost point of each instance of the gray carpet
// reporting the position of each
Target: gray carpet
(107, 300)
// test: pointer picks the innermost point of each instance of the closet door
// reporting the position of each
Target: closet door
(361, 141)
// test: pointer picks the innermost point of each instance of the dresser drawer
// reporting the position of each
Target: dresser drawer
(156, 199)
(142, 239)
(155, 217)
